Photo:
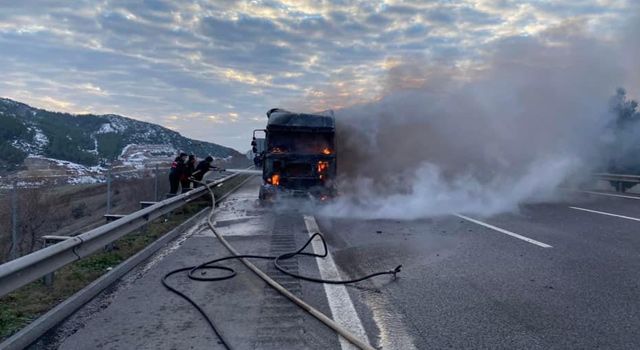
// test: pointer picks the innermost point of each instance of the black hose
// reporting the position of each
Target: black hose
(209, 265)
(300, 251)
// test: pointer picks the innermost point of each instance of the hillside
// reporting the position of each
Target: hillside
(84, 139)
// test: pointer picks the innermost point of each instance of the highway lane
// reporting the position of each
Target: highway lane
(468, 286)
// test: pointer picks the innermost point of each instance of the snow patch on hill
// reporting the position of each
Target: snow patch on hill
(141, 156)
(106, 128)
(117, 122)
(40, 139)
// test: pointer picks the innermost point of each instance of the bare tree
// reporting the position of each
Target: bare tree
(34, 213)
(5, 227)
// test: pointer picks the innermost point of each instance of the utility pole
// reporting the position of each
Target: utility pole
(14, 220)
(109, 190)
(155, 184)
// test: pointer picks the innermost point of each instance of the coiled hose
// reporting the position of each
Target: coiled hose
(196, 273)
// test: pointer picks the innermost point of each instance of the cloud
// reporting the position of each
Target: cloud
(155, 58)
(53, 103)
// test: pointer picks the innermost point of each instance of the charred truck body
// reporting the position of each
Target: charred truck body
(297, 155)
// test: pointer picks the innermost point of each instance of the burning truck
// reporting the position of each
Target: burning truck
(297, 155)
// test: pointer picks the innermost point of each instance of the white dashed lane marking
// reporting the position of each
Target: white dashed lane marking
(605, 213)
(506, 232)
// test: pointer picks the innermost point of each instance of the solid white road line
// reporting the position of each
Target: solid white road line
(605, 213)
(342, 309)
(526, 239)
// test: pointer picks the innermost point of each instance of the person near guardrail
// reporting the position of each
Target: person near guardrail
(176, 171)
(189, 168)
(202, 168)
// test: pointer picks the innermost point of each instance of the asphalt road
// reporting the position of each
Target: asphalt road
(468, 286)
(551, 276)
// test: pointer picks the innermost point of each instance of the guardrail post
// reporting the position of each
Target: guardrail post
(46, 241)
(167, 216)
(48, 278)
(14, 221)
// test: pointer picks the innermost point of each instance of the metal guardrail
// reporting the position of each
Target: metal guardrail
(618, 177)
(618, 180)
(21, 271)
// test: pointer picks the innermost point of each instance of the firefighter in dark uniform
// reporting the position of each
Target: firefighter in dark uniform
(176, 171)
(202, 168)
(189, 168)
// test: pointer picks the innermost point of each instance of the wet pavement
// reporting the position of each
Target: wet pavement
(139, 313)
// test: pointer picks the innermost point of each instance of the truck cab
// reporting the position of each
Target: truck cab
(297, 155)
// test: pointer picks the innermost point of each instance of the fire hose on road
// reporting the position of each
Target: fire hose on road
(211, 265)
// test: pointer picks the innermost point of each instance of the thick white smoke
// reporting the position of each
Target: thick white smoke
(483, 140)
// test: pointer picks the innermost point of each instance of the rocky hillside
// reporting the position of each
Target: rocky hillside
(84, 139)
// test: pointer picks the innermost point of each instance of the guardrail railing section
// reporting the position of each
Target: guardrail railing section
(61, 249)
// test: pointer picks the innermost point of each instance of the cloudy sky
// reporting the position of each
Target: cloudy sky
(211, 69)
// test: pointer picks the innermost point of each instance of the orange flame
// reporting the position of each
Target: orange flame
(323, 166)
(275, 179)
(326, 151)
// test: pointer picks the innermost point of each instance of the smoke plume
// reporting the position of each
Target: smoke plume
(482, 140)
